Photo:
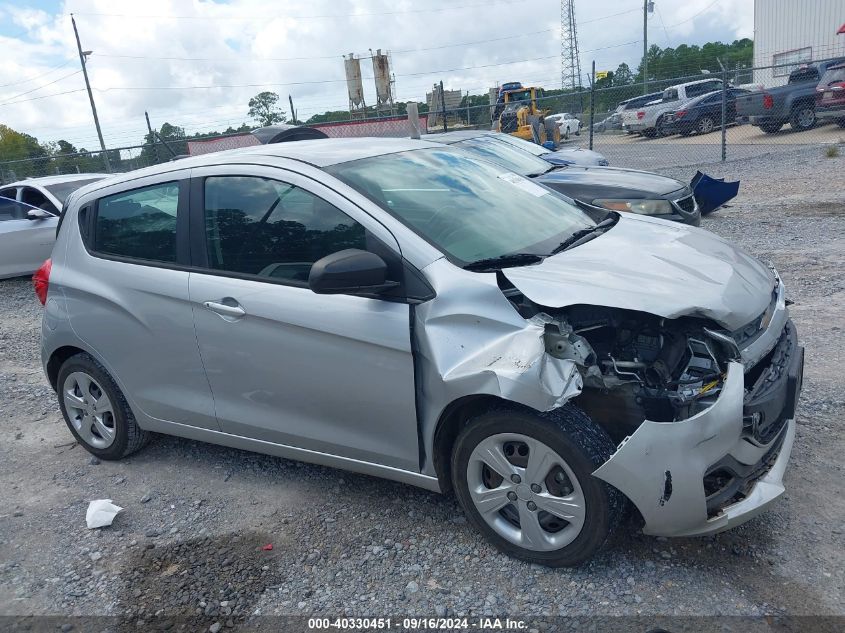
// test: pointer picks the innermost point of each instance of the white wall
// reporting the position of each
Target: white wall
(790, 25)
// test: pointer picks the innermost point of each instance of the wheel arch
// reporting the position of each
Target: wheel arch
(57, 359)
(452, 419)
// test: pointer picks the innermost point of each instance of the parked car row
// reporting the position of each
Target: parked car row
(814, 92)
(423, 311)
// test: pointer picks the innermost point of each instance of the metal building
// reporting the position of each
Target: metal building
(788, 33)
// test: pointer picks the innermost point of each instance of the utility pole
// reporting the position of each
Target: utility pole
(443, 107)
(152, 136)
(648, 7)
(292, 111)
(90, 95)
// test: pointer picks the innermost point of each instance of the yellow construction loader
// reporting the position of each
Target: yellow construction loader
(518, 114)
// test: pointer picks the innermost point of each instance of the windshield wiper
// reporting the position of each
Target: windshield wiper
(503, 261)
(581, 234)
(544, 172)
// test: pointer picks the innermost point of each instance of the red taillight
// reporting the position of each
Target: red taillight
(680, 114)
(768, 102)
(640, 115)
(41, 280)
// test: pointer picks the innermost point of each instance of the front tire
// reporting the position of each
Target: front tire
(525, 481)
(95, 410)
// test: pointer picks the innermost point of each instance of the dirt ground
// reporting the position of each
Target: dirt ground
(196, 516)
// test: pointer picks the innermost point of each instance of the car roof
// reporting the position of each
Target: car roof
(53, 180)
(317, 152)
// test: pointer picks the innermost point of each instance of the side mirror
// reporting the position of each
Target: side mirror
(350, 271)
(38, 214)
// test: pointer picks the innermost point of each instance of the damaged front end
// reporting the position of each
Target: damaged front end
(702, 416)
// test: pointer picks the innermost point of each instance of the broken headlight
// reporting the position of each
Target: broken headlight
(643, 207)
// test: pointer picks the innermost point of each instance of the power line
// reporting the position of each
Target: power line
(317, 57)
(704, 10)
(33, 78)
(326, 81)
(303, 17)
(55, 81)
(56, 94)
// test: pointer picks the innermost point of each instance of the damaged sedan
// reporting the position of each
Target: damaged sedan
(402, 309)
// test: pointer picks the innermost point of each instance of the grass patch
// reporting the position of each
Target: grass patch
(832, 151)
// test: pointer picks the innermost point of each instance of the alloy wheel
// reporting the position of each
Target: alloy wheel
(526, 492)
(89, 410)
(706, 125)
(806, 117)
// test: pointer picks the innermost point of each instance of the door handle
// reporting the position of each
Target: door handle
(222, 309)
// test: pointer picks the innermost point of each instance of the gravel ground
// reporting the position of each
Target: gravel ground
(197, 516)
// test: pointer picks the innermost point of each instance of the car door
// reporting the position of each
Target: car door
(126, 289)
(25, 242)
(327, 373)
(36, 198)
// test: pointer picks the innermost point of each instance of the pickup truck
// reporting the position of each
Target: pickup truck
(794, 103)
(647, 120)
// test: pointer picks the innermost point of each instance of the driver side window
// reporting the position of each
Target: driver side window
(35, 198)
(266, 228)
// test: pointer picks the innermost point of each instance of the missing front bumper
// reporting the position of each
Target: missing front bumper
(661, 467)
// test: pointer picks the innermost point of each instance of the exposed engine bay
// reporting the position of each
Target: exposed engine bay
(635, 366)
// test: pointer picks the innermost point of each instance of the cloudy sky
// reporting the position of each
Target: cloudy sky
(197, 63)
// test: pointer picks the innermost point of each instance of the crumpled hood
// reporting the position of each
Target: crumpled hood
(574, 156)
(653, 266)
(589, 183)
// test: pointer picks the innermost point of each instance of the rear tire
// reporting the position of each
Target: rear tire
(95, 410)
(547, 460)
(705, 125)
(771, 128)
(803, 117)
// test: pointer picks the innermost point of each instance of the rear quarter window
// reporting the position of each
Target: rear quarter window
(138, 224)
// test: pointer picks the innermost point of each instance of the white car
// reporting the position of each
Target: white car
(29, 213)
(568, 124)
(27, 235)
(648, 119)
(49, 192)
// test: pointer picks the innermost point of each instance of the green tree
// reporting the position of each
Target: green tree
(16, 146)
(263, 108)
(623, 75)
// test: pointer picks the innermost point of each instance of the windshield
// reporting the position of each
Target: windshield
(468, 209)
(63, 189)
(519, 143)
(832, 76)
(505, 154)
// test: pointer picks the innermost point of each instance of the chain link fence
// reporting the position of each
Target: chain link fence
(688, 119)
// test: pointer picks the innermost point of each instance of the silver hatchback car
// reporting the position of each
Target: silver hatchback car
(401, 309)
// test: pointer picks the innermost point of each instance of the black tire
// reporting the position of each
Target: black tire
(129, 437)
(771, 128)
(840, 122)
(803, 117)
(574, 437)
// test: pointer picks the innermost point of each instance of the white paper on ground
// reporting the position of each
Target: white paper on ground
(101, 512)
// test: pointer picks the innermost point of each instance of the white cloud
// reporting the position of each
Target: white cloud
(238, 39)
